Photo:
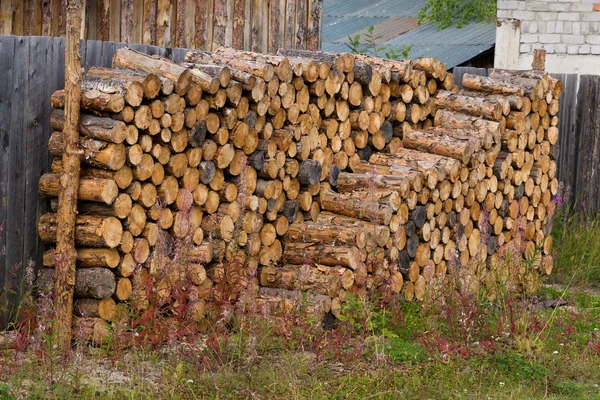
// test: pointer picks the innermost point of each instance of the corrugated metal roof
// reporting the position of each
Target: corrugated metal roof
(382, 8)
(452, 46)
(387, 29)
(339, 28)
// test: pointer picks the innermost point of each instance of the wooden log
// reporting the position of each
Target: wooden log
(151, 83)
(88, 258)
(317, 232)
(424, 162)
(96, 283)
(476, 106)
(67, 200)
(326, 254)
(131, 91)
(490, 85)
(440, 143)
(94, 308)
(95, 153)
(362, 209)
(90, 189)
(130, 59)
(454, 120)
(367, 182)
(257, 68)
(123, 289)
(415, 177)
(377, 234)
(309, 172)
(273, 301)
(204, 58)
(300, 277)
(92, 100)
(93, 330)
(532, 84)
(89, 230)
(219, 71)
(122, 177)
(100, 128)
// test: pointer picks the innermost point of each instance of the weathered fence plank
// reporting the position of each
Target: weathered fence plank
(587, 174)
(7, 47)
(93, 56)
(16, 171)
(108, 50)
(36, 133)
(201, 24)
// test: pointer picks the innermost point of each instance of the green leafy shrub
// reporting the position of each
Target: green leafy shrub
(445, 13)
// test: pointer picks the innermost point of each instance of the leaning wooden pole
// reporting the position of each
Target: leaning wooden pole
(69, 181)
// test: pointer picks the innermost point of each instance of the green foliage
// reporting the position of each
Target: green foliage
(5, 392)
(249, 361)
(577, 253)
(515, 366)
(371, 48)
(445, 13)
(403, 350)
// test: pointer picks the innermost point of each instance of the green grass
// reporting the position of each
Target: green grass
(577, 249)
(465, 348)
(395, 363)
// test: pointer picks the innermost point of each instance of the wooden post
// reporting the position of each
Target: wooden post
(539, 60)
(69, 181)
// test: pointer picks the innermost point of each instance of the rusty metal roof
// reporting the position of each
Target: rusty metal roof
(395, 21)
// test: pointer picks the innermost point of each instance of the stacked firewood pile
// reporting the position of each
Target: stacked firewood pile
(274, 175)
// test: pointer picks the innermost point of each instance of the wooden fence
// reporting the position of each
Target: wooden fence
(577, 151)
(32, 69)
(258, 25)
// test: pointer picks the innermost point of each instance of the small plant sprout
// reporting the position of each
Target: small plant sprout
(371, 47)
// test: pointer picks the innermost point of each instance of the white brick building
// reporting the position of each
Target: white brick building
(569, 31)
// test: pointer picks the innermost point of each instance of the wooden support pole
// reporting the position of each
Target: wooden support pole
(69, 181)
(539, 60)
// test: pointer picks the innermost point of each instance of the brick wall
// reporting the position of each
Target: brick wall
(569, 31)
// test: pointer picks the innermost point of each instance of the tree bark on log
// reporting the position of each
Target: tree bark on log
(300, 277)
(470, 105)
(130, 59)
(89, 231)
(96, 283)
(455, 120)
(151, 83)
(8, 340)
(98, 190)
(94, 308)
(280, 301)
(381, 183)
(93, 330)
(121, 207)
(93, 100)
(326, 254)
(490, 85)
(122, 177)
(364, 210)
(458, 147)
(100, 128)
(378, 234)
(132, 92)
(316, 232)
(88, 258)
(95, 152)
(65, 232)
